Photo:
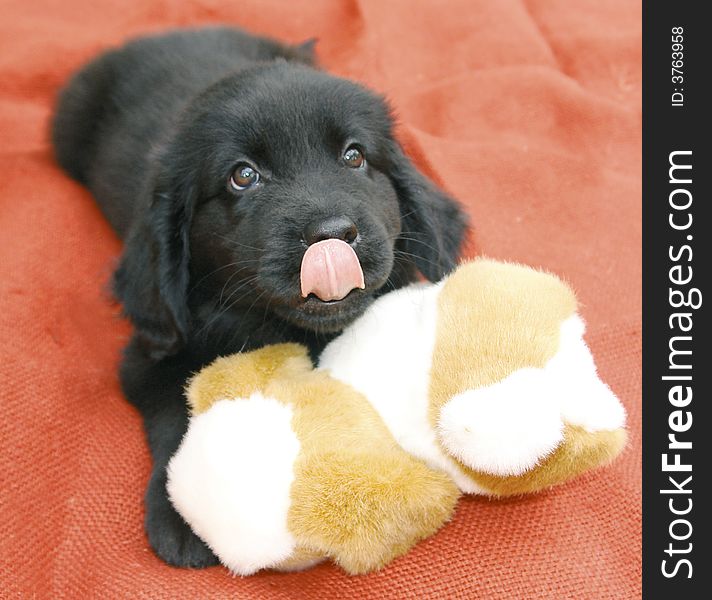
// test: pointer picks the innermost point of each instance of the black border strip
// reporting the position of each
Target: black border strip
(676, 124)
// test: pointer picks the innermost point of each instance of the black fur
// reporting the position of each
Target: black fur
(154, 130)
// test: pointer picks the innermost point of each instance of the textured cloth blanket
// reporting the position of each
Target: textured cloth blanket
(528, 111)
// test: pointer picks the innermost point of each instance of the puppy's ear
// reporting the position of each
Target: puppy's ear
(433, 224)
(152, 278)
(305, 52)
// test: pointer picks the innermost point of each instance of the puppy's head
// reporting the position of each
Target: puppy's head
(284, 192)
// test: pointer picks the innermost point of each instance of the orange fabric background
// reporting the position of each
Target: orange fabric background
(528, 111)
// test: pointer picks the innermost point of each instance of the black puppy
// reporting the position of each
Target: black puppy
(220, 158)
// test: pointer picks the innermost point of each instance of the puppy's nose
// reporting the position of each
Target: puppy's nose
(339, 228)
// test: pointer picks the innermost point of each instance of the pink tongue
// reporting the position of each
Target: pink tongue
(330, 270)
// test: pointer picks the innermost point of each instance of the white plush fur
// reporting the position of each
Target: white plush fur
(240, 512)
(585, 400)
(394, 371)
(503, 429)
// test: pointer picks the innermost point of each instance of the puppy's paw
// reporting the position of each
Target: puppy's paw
(169, 535)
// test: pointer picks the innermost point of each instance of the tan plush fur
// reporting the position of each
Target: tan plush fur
(240, 375)
(365, 508)
(357, 497)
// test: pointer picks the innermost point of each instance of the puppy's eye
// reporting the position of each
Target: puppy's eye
(244, 176)
(353, 157)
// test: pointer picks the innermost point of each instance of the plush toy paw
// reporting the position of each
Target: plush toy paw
(514, 394)
(231, 480)
(283, 466)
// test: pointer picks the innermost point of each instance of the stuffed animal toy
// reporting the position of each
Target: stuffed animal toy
(480, 384)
